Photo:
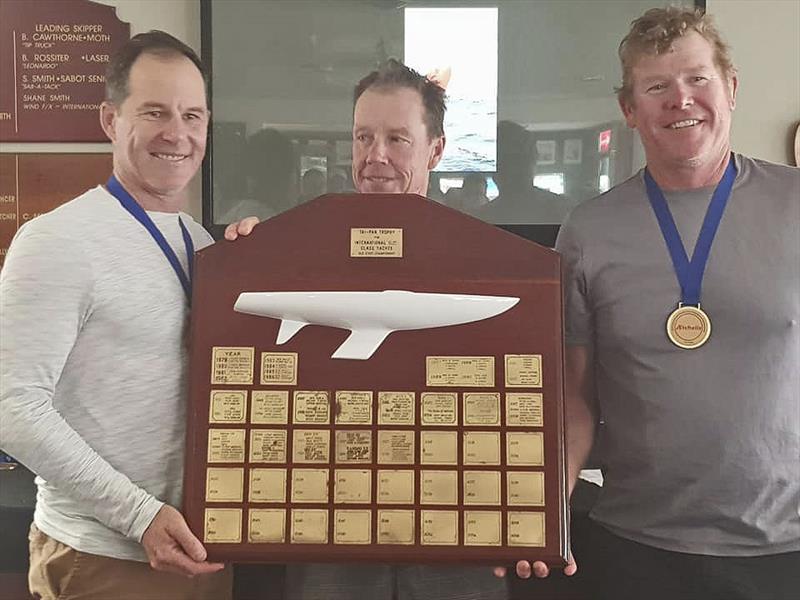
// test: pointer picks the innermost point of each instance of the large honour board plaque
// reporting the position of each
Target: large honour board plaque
(377, 378)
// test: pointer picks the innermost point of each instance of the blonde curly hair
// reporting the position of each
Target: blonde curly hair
(656, 31)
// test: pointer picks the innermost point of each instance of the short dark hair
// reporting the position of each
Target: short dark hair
(155, 42)
(393, 74)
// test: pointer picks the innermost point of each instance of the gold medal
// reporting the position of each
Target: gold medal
(688, 327)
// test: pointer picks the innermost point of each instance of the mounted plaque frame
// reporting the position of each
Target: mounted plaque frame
(53, 59)
(380, 379)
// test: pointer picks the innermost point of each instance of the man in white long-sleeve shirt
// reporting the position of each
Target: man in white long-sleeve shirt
(95, 301)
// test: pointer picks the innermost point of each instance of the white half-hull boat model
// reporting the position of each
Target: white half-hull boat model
(370, 316)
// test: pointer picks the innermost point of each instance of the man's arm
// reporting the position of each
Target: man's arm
(581, 410)
(45, 299)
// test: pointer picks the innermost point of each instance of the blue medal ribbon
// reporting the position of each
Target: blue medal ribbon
(128, 203)
(690, 273)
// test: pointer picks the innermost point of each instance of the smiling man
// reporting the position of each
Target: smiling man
(94, 308)
(157, 121)
(398, 131)
(398, 137)
(683, 337)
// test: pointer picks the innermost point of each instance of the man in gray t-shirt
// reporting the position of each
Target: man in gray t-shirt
(701, 433)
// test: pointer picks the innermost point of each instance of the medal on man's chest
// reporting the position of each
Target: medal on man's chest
(688, 327)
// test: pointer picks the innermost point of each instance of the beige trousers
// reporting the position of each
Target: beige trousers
(59, 572)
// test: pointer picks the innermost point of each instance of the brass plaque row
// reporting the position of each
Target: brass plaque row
(478, 409)
(354, 486)
(394, 526)
(522, 448)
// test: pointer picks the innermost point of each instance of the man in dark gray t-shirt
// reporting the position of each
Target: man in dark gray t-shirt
(683, 337)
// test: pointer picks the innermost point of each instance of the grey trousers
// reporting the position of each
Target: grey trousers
(385, 582)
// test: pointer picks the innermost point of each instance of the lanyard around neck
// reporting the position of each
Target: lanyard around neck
(690, 273)
(128, 203)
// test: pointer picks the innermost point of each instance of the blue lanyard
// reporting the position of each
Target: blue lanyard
(690, 274)
(133, 207)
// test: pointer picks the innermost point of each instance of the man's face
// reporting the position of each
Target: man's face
(682, 104)
(158, 133)
(392, 152)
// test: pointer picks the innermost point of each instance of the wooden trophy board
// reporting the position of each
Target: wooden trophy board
(445, 445)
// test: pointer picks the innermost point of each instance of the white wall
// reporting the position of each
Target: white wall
(181, 18)
(765, 40)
